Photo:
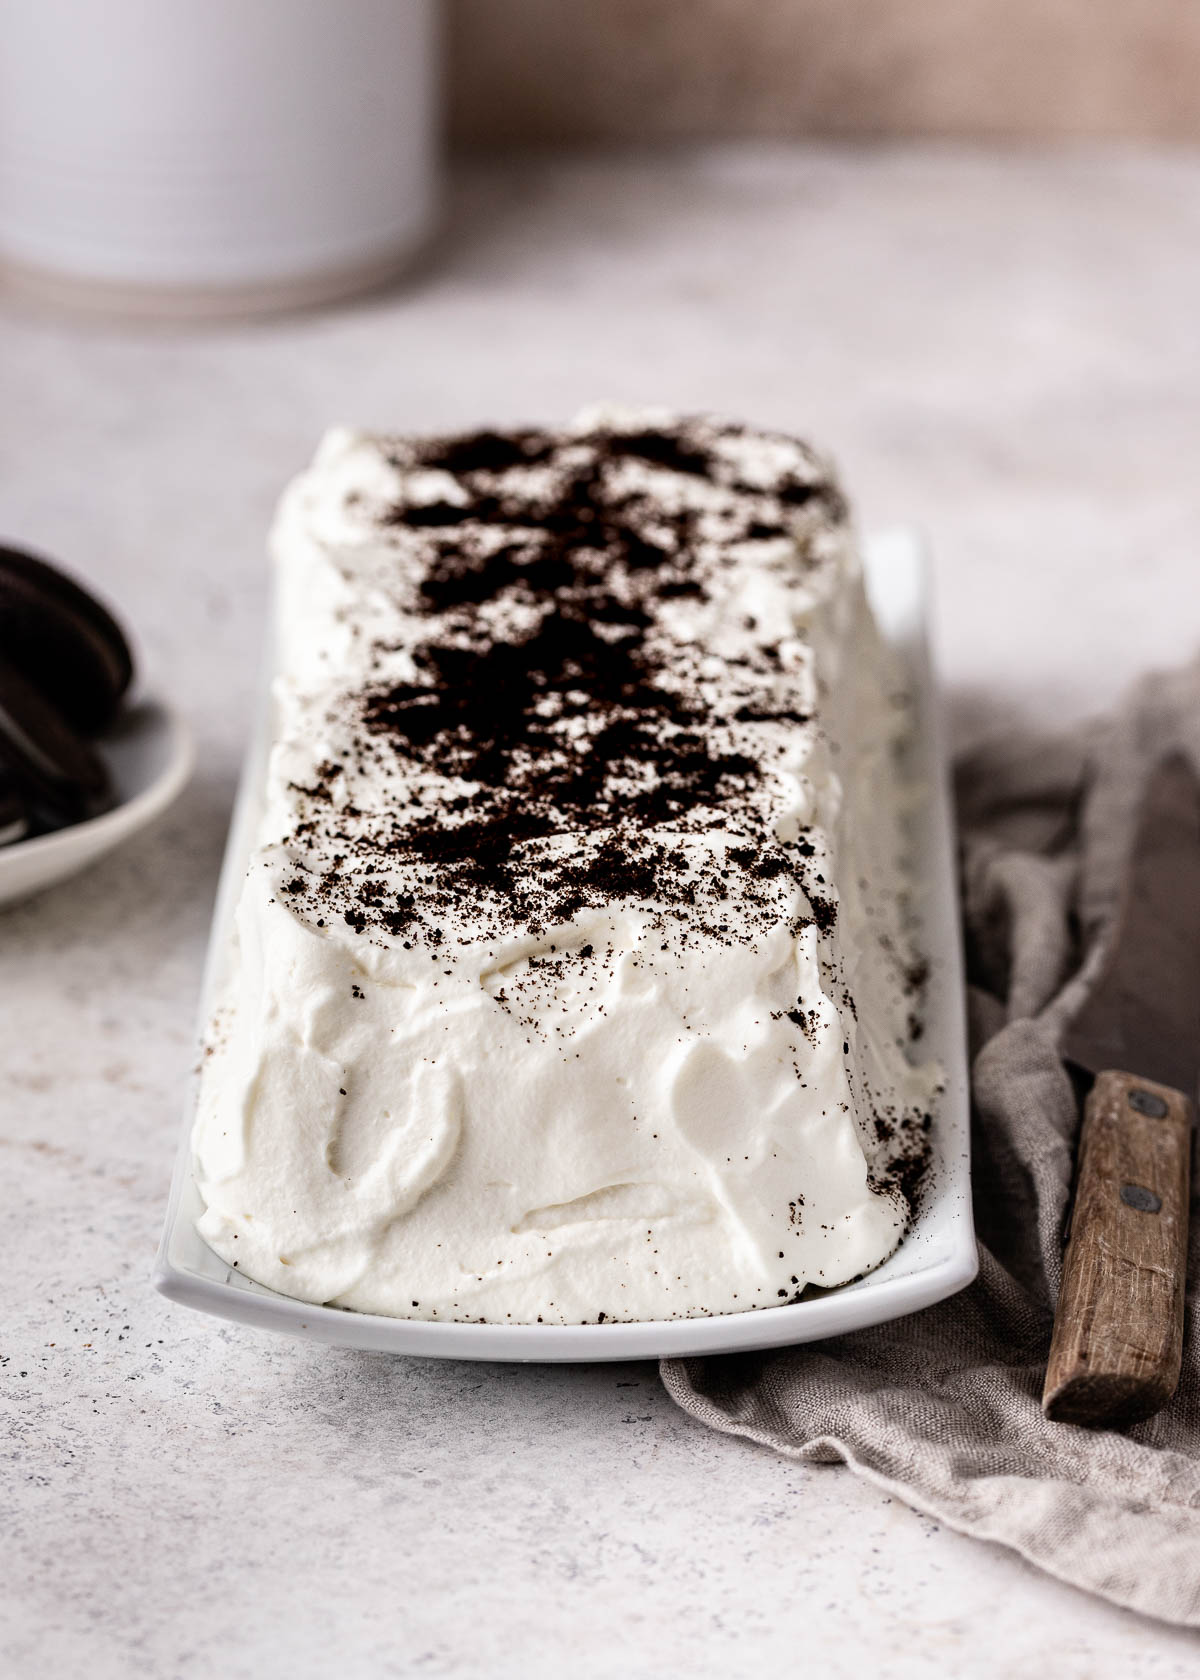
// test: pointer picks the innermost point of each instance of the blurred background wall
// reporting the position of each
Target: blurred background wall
(542, 71)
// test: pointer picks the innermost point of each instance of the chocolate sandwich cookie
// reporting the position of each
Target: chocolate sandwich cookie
(14, 815)
(62, 640)
(59, 774)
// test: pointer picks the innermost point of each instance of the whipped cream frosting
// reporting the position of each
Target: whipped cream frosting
(571, 976)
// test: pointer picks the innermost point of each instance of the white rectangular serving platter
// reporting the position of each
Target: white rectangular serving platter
(936, 1258)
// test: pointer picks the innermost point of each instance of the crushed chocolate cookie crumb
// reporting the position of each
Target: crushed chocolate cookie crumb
(557, 725)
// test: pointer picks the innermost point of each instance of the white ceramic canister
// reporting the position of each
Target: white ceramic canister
(213, 157)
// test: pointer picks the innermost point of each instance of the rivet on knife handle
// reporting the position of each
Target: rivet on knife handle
(1118, 1325)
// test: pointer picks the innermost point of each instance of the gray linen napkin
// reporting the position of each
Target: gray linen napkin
(943, 1408)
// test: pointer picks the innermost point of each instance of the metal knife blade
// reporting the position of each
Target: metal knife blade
(1144, 1013)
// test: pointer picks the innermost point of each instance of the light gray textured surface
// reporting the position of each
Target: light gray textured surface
(1005, 352)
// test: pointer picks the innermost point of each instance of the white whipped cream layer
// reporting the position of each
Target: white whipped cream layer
(608, 1118)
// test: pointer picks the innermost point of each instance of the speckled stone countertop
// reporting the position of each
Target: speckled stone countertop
(1005, 352)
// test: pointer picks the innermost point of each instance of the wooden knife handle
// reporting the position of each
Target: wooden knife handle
(1118, 1326)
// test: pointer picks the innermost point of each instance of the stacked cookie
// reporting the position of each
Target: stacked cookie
(65, 666)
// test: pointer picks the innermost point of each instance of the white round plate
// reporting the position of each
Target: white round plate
(149, 755)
